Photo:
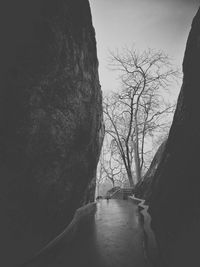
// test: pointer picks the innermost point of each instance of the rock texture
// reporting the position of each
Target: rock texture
(143, 189)
(50, 116)
(175, 203)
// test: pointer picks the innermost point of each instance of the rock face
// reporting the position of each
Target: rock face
(175, 201)
(51, 114)
(143, 189)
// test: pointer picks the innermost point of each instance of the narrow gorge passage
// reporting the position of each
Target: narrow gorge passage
(114, 238)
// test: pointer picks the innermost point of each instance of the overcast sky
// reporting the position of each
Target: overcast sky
(158, 24)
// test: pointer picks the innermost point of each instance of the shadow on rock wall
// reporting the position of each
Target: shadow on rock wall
(175, 201)
(50, 120)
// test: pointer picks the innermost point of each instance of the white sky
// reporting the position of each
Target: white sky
(158, 24)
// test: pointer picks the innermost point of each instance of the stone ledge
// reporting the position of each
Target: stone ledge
(82, 215)
(150, 244)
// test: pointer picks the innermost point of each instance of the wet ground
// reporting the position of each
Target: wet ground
(114, 238)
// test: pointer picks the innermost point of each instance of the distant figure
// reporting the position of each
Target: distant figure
(107, 197)
(99, 197)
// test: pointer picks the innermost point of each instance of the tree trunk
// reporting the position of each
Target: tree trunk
(137, 162)
(130, 178)
(113, 182)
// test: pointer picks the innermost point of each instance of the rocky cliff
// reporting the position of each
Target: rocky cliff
(175, 202)
(143, 189)
(50, 118)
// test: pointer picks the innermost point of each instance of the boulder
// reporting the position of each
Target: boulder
(175, 200)
(143, 188)
(50, 120)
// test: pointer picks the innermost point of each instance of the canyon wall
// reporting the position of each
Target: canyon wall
(143, 188)
(50, 119)
(175, 200)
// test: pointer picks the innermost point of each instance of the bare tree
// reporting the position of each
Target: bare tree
(110, 165)
(138, 111)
